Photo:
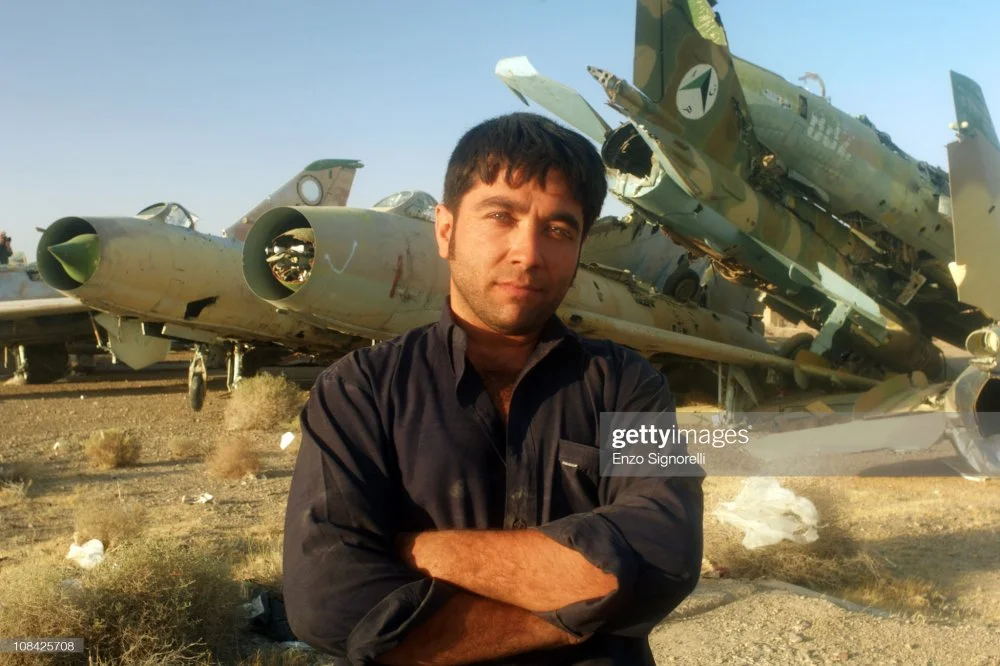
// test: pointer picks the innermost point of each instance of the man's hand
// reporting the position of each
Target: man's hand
(469, 629)
(523, 568)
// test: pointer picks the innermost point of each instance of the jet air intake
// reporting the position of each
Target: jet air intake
(69, 253)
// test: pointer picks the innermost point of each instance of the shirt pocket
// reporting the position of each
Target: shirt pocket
(577, 477)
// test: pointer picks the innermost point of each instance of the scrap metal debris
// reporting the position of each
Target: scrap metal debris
(204, 498)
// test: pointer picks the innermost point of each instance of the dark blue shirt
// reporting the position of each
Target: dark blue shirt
(403, 437)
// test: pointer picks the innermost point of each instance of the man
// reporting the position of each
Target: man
(446, 505)
(6, 250)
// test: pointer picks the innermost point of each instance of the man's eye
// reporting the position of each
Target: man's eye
(561, 232)
(501, 216)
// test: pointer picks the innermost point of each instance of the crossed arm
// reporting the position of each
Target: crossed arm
(457, 597)
(507, 577)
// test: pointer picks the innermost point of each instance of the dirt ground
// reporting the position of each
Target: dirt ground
(936, 537)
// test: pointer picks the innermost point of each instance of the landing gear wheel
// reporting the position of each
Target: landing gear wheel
(43, 364)
(196, 392)
(789, 349)
(197, 379)
(793, 345)
(683, 285)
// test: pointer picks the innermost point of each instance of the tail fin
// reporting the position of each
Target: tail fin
(971, 110)
(682, 63)
(322, 183)
(974, 172)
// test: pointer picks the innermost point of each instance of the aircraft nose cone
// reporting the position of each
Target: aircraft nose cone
(79, 256)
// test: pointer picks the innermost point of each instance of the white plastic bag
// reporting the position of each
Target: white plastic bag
(768, 514)
(89, 555)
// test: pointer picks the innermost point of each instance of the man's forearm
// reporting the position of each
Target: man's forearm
(469, 629)
(523, 568)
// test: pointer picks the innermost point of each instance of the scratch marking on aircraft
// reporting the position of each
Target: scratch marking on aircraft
(338, 271)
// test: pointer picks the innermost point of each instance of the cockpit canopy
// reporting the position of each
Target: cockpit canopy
(171, 213)
(409, 203)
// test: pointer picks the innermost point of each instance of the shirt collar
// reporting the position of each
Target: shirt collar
(554, 334)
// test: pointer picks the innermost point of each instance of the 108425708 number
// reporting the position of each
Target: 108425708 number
(40, 645)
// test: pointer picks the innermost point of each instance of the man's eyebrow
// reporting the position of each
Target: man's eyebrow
(500, 201)
(565, 216)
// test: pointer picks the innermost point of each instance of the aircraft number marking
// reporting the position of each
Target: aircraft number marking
(828, 136)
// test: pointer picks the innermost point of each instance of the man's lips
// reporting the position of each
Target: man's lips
(516, 288)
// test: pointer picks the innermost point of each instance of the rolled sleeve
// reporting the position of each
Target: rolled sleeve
(346, 591)
(648, 532)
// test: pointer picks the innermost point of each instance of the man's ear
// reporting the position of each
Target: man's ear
(444, 227)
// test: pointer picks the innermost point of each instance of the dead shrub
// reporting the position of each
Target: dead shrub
(185, 447)
(233, 457)
(155, 601)
(15, 479)
(261, 561)
(111, 520)
(262, 403)
(112, 448)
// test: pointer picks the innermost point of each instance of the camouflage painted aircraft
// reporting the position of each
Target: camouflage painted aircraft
(821, 211)
(154, 279)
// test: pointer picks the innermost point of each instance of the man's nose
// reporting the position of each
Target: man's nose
(526, 243)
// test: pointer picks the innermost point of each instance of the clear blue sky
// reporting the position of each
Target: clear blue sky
(108, 106)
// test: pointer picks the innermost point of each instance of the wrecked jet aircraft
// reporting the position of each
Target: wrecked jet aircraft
(39, 327)
(838, 227)
(155, 278)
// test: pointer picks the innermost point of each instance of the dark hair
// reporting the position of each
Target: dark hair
(527, 145)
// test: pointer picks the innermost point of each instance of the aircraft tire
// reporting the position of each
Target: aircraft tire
(683, 285)
(46, 363)
(196, 392)
(793, 345)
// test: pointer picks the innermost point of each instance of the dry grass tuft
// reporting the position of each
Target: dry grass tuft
(233, 458)
(151, 602)
(111, 520)
(112, 448)
(262, 403)
(15, 480)
(281, 657)
(185, 447)
(854, 575)
(261, 561)
(834, 564)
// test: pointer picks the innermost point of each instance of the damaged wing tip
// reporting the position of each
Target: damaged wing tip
(515, 66)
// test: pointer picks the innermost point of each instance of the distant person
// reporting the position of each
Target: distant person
(447, 504)
(6, 251)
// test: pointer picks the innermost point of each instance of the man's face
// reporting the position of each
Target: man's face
(513, 252)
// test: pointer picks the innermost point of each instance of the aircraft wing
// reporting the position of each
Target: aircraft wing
(40, 307)
(524, 80)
